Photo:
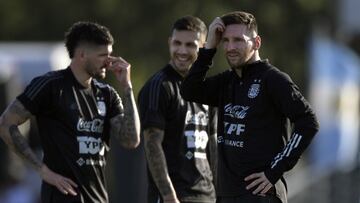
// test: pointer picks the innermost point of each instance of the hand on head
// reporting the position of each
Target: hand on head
(216, 29)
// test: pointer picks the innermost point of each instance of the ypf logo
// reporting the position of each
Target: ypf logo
(90, 145)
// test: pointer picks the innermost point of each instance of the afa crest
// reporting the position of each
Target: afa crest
(254, 90)
(101, 108)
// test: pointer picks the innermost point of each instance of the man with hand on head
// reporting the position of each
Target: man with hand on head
(256, 101)
(179, 136)
(76, 115)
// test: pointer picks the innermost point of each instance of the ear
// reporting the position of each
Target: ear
(257, 43)
(202, 41)
(80, 53)
(169, 41)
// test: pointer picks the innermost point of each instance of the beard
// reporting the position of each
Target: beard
(95, 72)
(239, 61)
(235, 64)
(99, 76)
(181, 67)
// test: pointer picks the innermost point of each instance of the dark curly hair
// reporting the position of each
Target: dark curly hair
(87, 32)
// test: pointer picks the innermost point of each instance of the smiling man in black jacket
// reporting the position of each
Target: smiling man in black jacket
(256, 102)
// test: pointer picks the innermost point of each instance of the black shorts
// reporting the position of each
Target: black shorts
(50, 194)
(249, 198)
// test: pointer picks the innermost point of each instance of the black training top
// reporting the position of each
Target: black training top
(254, 111)
(74, 127)
(186, 126)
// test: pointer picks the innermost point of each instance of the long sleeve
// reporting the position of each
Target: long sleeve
(288, 99)
(196, 87)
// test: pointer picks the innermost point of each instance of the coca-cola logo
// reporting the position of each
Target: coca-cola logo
(96, 125)
(199, 118)
(235, 111)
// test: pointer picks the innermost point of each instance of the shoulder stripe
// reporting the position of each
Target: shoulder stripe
(155, 90)
(39, 85)
(34, 86)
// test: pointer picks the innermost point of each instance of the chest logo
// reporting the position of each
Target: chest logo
(199, 118)
(254, 90)
(235, 111)
(101, 108)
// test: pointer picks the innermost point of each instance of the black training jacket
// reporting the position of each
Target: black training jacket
(254, 132)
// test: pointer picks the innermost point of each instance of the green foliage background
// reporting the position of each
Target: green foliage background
(141, 28)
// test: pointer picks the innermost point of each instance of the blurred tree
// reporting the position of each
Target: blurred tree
(142, 27)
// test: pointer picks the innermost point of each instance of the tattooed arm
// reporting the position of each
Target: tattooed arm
(126, 127)
(155, 156)
(13, 116)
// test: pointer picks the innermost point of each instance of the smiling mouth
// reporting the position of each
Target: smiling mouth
(232, 57)
(232, 54)
(182, 58)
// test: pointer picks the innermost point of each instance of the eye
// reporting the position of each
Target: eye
(238, 39)
(224, 40)
(177, 43)
(191, 45)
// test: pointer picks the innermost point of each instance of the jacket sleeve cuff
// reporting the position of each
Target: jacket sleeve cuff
(205, 56)
(273, 175)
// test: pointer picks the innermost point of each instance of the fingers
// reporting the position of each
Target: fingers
(266, 189)
(254, 183)
(216, 29)
(71, 182)
(117, 60)
(252, 176)
(260, 188)
(66, 186)
(218, 25)
(63, 184)
(260, 183)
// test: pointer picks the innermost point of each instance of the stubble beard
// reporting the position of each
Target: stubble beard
(96, 73)
(182, 69)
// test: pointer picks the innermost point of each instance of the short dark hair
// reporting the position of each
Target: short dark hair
(87, 32)
(240, 17)
(190, 23)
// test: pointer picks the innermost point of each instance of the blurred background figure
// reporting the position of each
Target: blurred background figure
(335, 94)
(318, 42)
(19, 63)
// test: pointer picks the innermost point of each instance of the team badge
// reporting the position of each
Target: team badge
(254, 91)
(101, 108)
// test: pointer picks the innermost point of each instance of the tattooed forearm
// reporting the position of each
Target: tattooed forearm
(13, 116)
(22, 147)
(127, 127)
(156, 160)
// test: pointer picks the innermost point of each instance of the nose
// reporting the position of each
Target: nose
(182, 49)
(107, 61)
(229, 46)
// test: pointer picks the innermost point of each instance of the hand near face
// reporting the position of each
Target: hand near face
(121, 69)
(216, 29)
(259, 183)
